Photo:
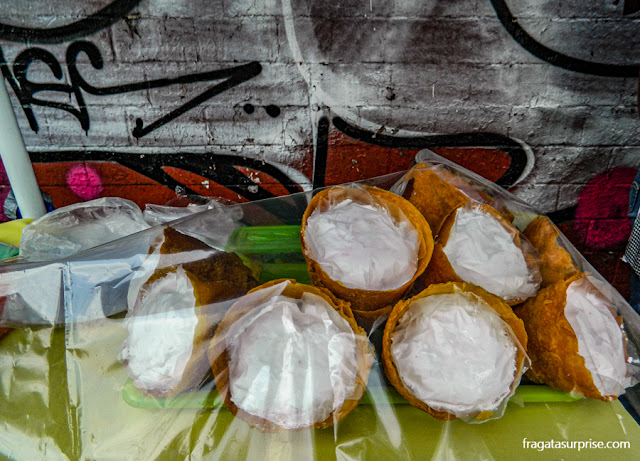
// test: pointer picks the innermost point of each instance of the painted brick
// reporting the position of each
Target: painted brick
(579, 9)
(365, 84)
(237, 40)
(172, 96)
(313, 39)
(332, 9)
(617, 126)
(626, 156)
(541, 125)
(189, 129)
(380, 8)
(101, 39)
(239, 8)
(629, 92)
(278, 84)
(569, 165)
(543, 198)
(155, 40)
(446, 120)
(61, 129)
(568, 195)
(297, 129)
(275, 154)
(598, 40)
(47, 13)
(114, 75)
(528, 85)
(569, 88)
(181, 8)
(232, 126)
(422, 9)
(565, 9)
(477, 40)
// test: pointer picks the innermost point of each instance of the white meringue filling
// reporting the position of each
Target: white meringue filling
(454, 353)
(292, 361)
(600, 338)
(482, 252)
(161, 332)
(362, 246)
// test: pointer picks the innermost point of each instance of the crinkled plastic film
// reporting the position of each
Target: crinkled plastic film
(486, 316)
(77, 227)
(402, 223)
(65, 386)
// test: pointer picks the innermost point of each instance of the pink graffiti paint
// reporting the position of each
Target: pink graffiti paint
(602, 209)
(85, 182)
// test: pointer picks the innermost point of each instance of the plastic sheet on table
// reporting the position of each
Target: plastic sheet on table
(110, 355)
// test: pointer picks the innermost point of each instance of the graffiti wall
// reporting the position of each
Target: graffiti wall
(146, 99)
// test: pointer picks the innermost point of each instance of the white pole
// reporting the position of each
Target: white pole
(16, 161)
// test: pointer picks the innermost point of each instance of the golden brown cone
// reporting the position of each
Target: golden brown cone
(449, 189)
(216, 276)
(368, 300)
(366, 319)
(553, 345)
(555, 262)
(434, 197)
(495, 302)
(219, 357)
(440, 269)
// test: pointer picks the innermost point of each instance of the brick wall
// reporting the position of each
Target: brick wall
(253, 81)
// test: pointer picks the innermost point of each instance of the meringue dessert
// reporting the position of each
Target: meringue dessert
(477, 245)
(455, 351)
(289, 356)
(576, 342)
(174, 310)
(364, 244)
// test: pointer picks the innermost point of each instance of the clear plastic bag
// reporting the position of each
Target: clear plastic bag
(80, 226)
(67, 390)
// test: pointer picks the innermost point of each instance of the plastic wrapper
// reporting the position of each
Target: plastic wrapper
(455, 351)
(74, 228)
(365, 245)
(224, 219)
(577, 343)
(290, 356)
(69, 390)
(555, 262)
(478, 245)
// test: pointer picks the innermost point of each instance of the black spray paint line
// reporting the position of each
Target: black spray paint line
(321, 154)
(101, 19)
(631, 7)
(504, 143)
(510, 23)
(26, 90)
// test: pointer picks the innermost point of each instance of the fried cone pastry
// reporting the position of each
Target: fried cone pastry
(477, 245)
(366, 319)
(290, 356)
(436, 192)
(576, 343)
(434, 197)
(176, 310)
(455, 350)
(555, 262)
(365, 245)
